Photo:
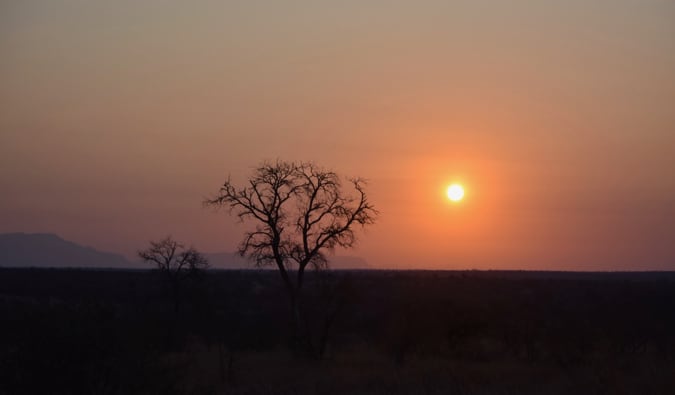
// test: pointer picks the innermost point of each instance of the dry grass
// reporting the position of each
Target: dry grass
(363, 370)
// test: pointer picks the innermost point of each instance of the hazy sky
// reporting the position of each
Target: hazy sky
(117, 118)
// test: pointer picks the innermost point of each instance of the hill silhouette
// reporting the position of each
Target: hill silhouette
(232, 260)
(50, 250)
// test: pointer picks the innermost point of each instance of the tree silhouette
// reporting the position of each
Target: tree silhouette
(176, 262)
(301, 211)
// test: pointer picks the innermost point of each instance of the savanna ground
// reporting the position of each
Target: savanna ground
(381, 332)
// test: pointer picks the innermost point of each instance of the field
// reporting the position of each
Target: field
(382, 332)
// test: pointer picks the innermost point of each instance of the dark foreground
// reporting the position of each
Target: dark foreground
(116, 332)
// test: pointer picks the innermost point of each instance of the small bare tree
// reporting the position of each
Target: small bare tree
(176, 262)
(301, 211)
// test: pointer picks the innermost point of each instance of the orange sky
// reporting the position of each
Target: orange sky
(118, 118)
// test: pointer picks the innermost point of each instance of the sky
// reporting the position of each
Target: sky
(118, 118)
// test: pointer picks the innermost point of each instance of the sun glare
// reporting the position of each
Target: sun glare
(455, 192)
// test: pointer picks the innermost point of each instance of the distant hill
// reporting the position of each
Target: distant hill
(49, 250)
(348, 262)
(229, 260)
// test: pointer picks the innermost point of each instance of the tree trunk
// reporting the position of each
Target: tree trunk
(296, 320)
(302, 340)
(302, 333)
(175, 292)
(323, 341)
(221, 362)
(226, 372)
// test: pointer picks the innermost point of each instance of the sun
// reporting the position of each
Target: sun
(455, 192)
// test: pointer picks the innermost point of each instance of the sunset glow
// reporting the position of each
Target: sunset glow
(455, 192)
(122, 115)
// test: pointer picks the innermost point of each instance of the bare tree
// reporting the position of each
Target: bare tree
(176, 262)
(301, 211)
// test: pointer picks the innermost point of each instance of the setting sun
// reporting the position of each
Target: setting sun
(455, 192)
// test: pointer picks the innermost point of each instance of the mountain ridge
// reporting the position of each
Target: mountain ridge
(49, 250)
